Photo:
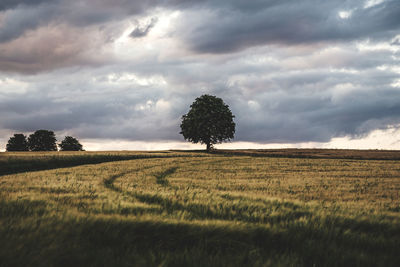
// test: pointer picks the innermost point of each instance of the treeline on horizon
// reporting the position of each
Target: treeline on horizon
(209, 121)
(42, 140)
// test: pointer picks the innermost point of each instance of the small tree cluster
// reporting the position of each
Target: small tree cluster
(17, 143)
(42, 140)
(70, 144)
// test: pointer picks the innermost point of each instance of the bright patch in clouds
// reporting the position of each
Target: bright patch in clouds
(377, 139)
(131, 78)
(345, 14)
(110, 145)
(382, 46)
(396, 83)
(371, 3)
(12, 86)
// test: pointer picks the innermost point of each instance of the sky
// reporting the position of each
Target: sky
(119, 74)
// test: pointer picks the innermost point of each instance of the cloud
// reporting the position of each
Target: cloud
(16, 22)
(53, 47)
(142, 31)
(290, 71)
(274, 99)
(90, 109)
(219, 26)
(228, 28)
(23, 16)
(203, 26)
(48, 35)
(9, 4)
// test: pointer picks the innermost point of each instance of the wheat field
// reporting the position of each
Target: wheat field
(197, 209)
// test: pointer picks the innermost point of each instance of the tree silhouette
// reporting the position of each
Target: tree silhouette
(42, 140)
(70, 144)
(209, 121)
(17, 143)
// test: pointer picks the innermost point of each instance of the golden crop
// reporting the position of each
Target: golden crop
(333, 198)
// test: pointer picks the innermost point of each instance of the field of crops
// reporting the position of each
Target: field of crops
(198, 209)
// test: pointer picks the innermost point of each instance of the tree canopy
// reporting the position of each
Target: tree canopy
(70, 144)
(209, 121)
(17, 143)
(42, 140)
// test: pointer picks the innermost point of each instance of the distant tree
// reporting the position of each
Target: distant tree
(17, 143)
(70, 144)
(42, 140)
(209, 121)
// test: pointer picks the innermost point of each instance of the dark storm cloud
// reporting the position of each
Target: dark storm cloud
(205, 27)
(9, 4)
(19, 17)
(231, 28)
(139, 31)
(75, 14)
(53, 47)
(49, 35)
(17, 22)
(220, 26)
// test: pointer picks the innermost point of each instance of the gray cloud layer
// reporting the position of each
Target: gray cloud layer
(291, 71)
(9, 4)
(231, 28)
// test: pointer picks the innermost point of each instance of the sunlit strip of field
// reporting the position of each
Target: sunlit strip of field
(197, 211)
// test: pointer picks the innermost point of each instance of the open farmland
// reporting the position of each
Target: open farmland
(197, 209)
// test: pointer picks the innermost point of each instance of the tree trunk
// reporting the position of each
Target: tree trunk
(208, 147)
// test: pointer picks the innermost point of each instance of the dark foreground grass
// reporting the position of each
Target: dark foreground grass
(76, 240)
(208, 211)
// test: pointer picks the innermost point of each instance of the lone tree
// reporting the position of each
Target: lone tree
(42, 140)
(17, 143)
(209, 121)
(70, 144)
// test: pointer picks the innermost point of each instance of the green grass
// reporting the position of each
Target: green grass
(190, 209)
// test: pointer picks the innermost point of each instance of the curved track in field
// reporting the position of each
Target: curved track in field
(257, 190)
(175, 200)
